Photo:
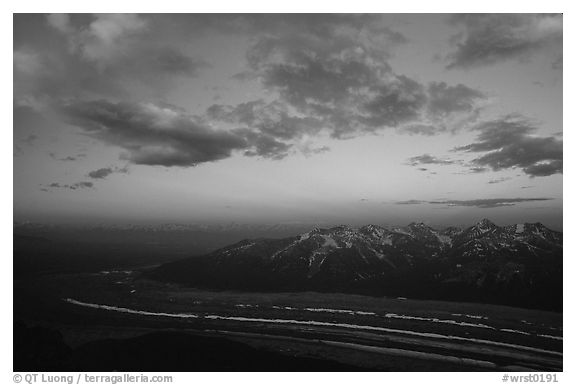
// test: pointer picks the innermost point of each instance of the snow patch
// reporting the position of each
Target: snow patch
(284, 249)
(550, 337)
(444, 239)
(129, 311)
(284, 308)
(437, 320)
(400, 231)
(329, 241)
(469, 316)
(304, 236)
(341, 311)
(387, 241)
(243, 247)
(515, 331)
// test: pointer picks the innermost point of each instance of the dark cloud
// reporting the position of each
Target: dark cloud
(74, 186)
(106, 54)
(420, 129)
(492, 38)
(308, 150)
(270, 127)
(245, 76)
(410, 202)
(170, 61)
(69, 158)
(265, 145)
(101, 173)
(488, 203)
(343, 79)
(104, 172)
(499, 180)
(394, 103)
(83, 185)
(296, 37)
(479, 203)
(509, 142)
(271, 119)
(429, 159)
(43, 75)
(321, 25)
(477, 170)
(154, 134)
(544, 169)
(350, 96)
(445, 99)
(165, 135)
(123, 44)
(325, 73)
(186, 26)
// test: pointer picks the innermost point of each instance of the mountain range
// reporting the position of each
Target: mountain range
(519, 265)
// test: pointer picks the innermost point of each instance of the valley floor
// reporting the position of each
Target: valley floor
(319, 331)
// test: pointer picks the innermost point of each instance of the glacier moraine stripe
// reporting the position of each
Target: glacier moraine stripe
(314, 323)
(551, 337)
(414, 354)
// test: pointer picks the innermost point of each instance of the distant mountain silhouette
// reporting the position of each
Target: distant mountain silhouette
(519, 265)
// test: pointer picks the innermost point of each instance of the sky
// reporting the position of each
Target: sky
(288, 118)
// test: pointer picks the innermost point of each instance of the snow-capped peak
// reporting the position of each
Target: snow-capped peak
(485, 223)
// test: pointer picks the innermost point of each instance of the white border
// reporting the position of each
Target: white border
(247, 6)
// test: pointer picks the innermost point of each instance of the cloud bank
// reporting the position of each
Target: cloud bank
(74, 186)
(104, 172)
(491, 38)
(323, 75)
(479, 203)
(509, 142)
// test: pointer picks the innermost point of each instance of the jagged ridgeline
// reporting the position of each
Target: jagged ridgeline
(519, 265)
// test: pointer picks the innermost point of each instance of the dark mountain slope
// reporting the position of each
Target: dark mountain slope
(518, 265)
